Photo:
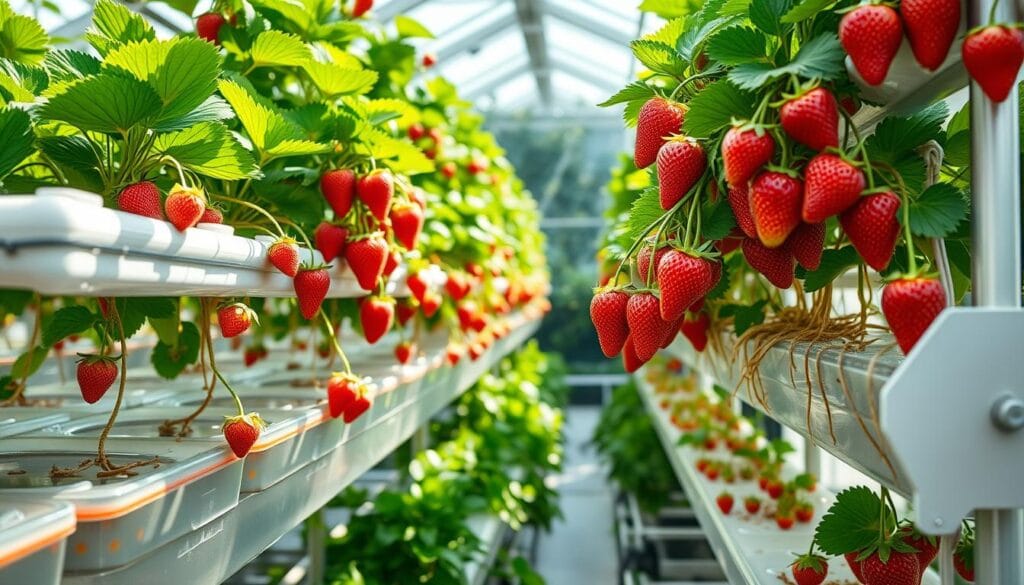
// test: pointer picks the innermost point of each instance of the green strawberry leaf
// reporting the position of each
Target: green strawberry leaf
(67, 321)
(274, 48)
(937, 212)
(134, 311)
(715, 107)
(335, 80)
(833, 264)
(669, 33)
(659, 57)
(852, 523)
(646, 209)
(736, 45)
(636, 91)
(894, 137)
(213, 109)
(767, 15)
(744, 316)
(667, 8)
(723, 283)
(22, 38)
(29, 362)
(14, 300)
(107, 102)
(16, 129)
(717, 220)
(805, 10)
(169, 360)
(69, 65)
(114, 24)
(411, 28)
(209, 149)
(821, 57)
(696, 36)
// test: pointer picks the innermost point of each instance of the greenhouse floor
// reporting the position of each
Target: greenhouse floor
(581, 546)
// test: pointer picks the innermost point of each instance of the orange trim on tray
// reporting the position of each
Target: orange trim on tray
(62, 531)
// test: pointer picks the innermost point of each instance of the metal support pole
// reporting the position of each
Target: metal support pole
(316, 547)
(995, 187)
(812, 459)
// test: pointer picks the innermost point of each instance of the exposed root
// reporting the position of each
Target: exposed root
(169, 428)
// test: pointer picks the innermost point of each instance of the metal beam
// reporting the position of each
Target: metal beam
(475, 37)
(396, 7)
(564, 12)
(530, 21)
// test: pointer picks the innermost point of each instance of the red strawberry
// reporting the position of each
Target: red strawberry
(359, 405)
(235, 319)
(208, 27)
(683, 280)
(341, 392)
(407, 221)
(449, 170)
(142, 198)
(993, 56)
(695, 328)
(338, 187)
(429, 60)
(930, 26)
(311, 286)
(391, 262)
(752, 504)
(806, 243)
(775, 264)
(366, 256)
(804, 513)
(630, 361)
(453, 353)
(360, 8)
(241, 432)
(873, 228)
(724, 501)
(330, 240)
(646, 326)
(910, 305)
(739, 201)
(671, 332)
(809, 569)
(608, 312)
(927, 546)
(251, 356)
(775, 489)
(431, 303)
(404, 352)
(963, 559)
(211, 215)
(775, 206)
(467, 312)
(416, 131)
(871, 35)
(900, 569)
(184, 206)
(744, 151)
(784, 520)
(812, 119)
(851, 559)
(376, 190)
(658, 119)
(284, 255)
(417, 286)
(404, 311)
(681, 162)
(376, 314)
(96, 374)
(645, 267)
(730, 242)
(457, 285)
(831, 186)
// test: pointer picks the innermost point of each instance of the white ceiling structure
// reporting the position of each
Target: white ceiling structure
(538, 56)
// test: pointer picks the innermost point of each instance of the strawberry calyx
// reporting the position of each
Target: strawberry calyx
(251, 419)
(190, 191)
(759, 128)
(816, 563)
(307, 267)
(893, 5)
(784, 170)
(286, 240)
(366, 236)
(92, 358)
(250, 314)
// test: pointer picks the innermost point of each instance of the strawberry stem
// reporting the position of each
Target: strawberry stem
(334, 341)
(101, 455)
(302, 234)
(257, 208)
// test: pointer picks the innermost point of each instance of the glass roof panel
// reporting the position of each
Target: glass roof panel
(493, 52)
(453, 19)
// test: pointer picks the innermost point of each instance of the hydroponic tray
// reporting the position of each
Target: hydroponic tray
(20, 420)
(32, 538)
(64, 242)
(213, 552)
(749, 550)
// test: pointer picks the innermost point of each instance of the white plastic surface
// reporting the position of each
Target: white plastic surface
(32, 538)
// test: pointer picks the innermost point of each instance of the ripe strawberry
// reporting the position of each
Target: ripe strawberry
(784, 520)
(475, 351)
(405, 311)
(338, 187)
(752, 504)
(730, 243)
(391, 262)
(431, 303)
(739, 201)
(993, 56)
(211, 215)
(376, 191)
(927, 546)
(377, 315)
(407, 221)
(645, 267)
(416, 131)
(453, 353)
(476, 166)
(683, 280)
(251, 356)
(806, 243)
(449, 170)
(724, 501)
(671, 332)
(360, 8)
(96, 374)
(774, 488)
(930, 26)
(804, 512)
(608, 312)
(873, 228)
(831, 186)
(855, 566)
(417, 285)
(809, 569)
(284, 255)
(341, 392)
(681, 162)
(366, 256)
(910, 305)
(208, 27)
(235, 319)
(404, 352)
(646, 326)
(658, 119)
(695, 329)
(311, 286)
(467, 312)
(812, 119)
(775, 206)
(712, 472)
(963, 559)
(429, 60)
(142, 198)
(744, 151)
(457, 285)
(184, 206)
(241, 432)
(871, 36)
(900, 569)
(330, 240)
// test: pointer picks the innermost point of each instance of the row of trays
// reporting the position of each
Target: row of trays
(201, 514)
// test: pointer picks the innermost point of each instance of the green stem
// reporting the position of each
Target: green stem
(992, 13)
(257, 208)
(302, 234)
(234, 395)
(334, 341)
